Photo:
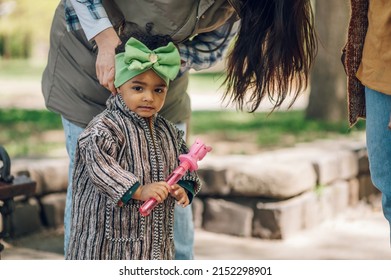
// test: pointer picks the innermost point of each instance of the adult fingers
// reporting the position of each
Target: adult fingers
(108, 80)
(105, 70)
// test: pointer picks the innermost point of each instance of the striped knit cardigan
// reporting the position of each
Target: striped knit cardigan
(351, 58)
(117, 150)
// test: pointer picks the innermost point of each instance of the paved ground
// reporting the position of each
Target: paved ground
(361, 233)
(27, 94)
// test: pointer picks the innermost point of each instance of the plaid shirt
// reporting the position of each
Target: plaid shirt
(95, 8)
(201, 52)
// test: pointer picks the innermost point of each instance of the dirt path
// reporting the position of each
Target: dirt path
(26, 93)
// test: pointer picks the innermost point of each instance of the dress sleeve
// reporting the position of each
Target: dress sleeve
(99, 152)
(188, 186)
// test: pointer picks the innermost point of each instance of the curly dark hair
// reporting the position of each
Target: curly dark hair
(146, 37)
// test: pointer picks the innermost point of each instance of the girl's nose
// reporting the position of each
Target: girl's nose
(148, 96)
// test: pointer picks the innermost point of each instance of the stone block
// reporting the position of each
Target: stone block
(366, 187)
(53, 208)
(225, 217)
(50, 175)
(340, 201)
(56, 178)
(346, 152)
(325, 203)
(281, 219)
(311, 217)
(348, 164)
(325, 163)
(214, 181)
(271, 179)
(363, 162)
(354, 192)
(26, 217)
(326, 168)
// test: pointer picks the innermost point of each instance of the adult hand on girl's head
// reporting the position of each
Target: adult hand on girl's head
(180, 195)
(107, 41)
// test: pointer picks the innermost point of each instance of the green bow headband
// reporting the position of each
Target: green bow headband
(137, 58)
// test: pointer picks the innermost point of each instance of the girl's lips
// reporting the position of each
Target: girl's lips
(145, 108)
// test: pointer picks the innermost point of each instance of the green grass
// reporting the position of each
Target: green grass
(23, 132)
(33, 119)
(278, 129)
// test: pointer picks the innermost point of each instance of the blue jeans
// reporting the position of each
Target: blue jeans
(378, 112)
(183, 222)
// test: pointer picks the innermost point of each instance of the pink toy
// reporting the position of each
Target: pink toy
(188, 162)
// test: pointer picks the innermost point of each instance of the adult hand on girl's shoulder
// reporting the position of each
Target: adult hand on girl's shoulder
(157, 190)
(180, 195)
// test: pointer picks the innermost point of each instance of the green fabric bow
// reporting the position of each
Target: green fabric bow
(137, 58)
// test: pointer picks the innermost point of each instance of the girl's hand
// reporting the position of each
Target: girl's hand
(180, 195)
(158, 191)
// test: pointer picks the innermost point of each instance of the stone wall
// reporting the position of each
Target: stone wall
(270, 195)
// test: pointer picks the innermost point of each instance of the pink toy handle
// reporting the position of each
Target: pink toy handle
(187, 162)
(172, 179)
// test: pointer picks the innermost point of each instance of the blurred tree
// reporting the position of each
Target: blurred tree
(24, 24)
(327, 100)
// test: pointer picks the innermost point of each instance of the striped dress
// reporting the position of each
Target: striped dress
(117, 150)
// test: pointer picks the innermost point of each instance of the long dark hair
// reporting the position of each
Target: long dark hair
(273, 52)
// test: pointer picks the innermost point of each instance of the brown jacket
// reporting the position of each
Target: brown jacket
(117, 150)
(351, 59)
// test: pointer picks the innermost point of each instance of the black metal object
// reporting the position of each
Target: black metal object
(11, 187)
(5, 170)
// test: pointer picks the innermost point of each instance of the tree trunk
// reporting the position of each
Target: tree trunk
(327, 99)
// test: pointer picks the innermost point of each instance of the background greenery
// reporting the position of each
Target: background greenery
(23, 132)
(38, 132)
(25, 27)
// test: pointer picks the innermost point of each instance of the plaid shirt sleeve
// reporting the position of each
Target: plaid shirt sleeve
(206, 49)
(90, 15)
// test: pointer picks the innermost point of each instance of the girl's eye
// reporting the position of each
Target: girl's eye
(159, 90)
(137, 88)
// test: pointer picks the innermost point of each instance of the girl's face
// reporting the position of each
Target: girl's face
(144, 94)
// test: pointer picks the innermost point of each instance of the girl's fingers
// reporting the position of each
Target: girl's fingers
(162, 193)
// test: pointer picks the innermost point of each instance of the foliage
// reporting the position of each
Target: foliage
(15, 45)
(33, 17)
(270, 130)
(27, 24)
(22, 131)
